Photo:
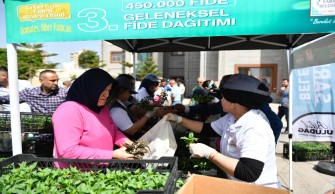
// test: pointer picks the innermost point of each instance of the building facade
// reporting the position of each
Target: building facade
(270, 66)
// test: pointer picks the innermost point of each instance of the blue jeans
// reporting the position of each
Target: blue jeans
(283, 110)
(175, 102)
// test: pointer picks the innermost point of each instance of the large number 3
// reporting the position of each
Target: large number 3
(95, 20)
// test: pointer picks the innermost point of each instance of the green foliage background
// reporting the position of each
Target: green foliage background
(89, 59)
(148, 67)
(28, 62)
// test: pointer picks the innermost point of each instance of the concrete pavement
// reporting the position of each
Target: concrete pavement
(306, 180)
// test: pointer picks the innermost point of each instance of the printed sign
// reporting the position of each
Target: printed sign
(313, 103)
(322, 7)
(69, 20)
(44, 11)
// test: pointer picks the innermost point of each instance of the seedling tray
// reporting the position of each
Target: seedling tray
(30, 122)
(37, 134)
(164, 164)
(308, 151)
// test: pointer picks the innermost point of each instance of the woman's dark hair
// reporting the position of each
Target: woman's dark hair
(207, 84)
(130, 77)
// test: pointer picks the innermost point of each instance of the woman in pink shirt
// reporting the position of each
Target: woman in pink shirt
(83, 128)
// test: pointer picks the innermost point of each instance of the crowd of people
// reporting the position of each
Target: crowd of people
(98, 115)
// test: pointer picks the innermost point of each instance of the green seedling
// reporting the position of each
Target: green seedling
(29, 178)
(190, 139)
(201, 165)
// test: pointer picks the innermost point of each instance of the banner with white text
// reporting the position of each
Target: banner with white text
(71, 20)
(313, 102)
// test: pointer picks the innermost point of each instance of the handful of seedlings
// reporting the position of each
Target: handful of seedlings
(138, 148)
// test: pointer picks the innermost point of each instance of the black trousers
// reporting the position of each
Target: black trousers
(283, 110)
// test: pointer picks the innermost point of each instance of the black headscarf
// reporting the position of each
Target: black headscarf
(87, 88)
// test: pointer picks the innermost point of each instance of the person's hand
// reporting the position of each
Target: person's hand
(138, 112)
(161, 111)
(199, 150)
(180, 108)
(133, 108)
(122, 154)
(173, 118)
(151, 113)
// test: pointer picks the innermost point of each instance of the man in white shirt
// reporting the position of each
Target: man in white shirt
(4, 90)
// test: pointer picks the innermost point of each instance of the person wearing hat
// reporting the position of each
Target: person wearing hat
(247, 146)
(122, 116)
(148, 87)
(216, 108)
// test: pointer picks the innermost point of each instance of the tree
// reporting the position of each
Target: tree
(125, 64)
(32, 59)
(89, 59)
(148, 67)
(31, 47)
(73, 76)
(29, 60)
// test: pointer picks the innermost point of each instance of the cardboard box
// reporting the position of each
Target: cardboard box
(199, 184)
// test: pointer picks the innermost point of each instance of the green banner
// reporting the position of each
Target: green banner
(50, 20)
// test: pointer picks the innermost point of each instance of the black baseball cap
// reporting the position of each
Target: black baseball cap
(245, 90)
(152, 77)
(125, 83)
(246, 83)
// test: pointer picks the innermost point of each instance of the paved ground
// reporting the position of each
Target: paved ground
(306, 180)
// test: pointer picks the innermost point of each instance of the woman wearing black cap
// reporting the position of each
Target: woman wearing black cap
(148, 87)
(122, 117)
(247, 146)
(83, 128)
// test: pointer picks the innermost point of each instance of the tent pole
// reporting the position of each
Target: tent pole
(134, 66)
(14, 99)
(290, 60)
(205, 65)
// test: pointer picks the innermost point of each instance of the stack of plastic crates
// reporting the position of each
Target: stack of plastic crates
(37, 133)
(162, 165)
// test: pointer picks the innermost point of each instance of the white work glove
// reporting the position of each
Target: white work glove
(200, 150)
(173, 118)
(151, 113)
